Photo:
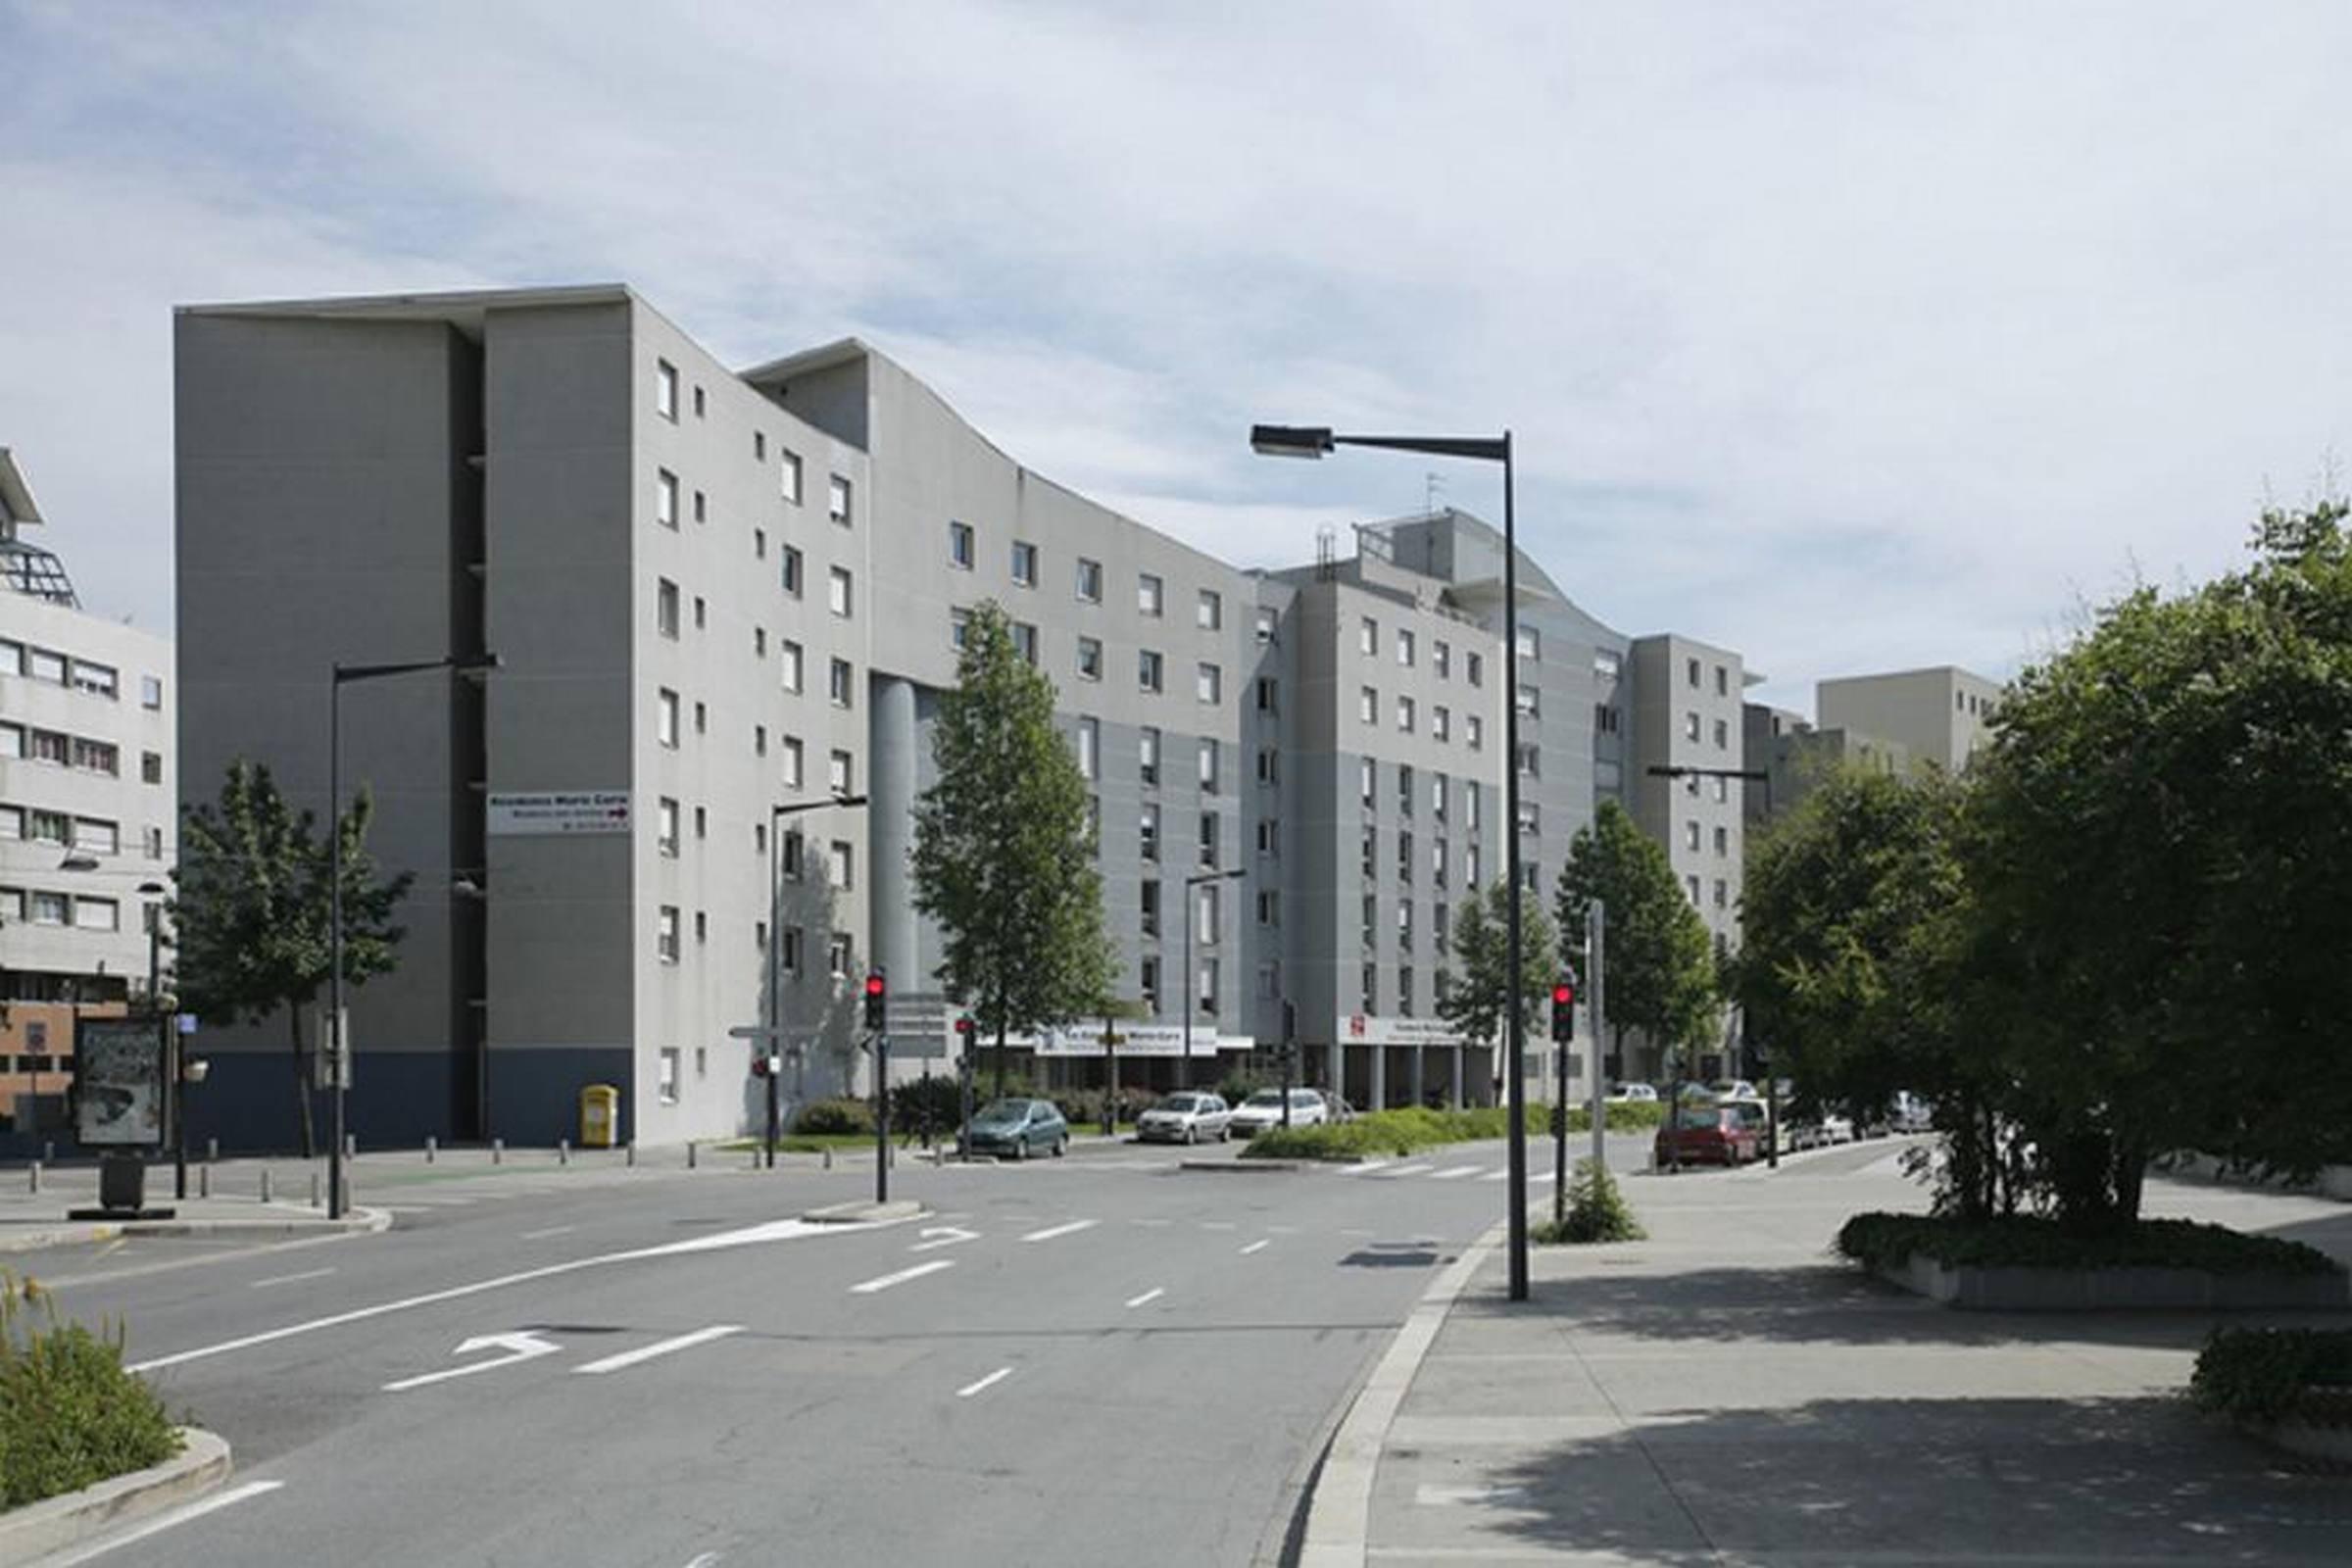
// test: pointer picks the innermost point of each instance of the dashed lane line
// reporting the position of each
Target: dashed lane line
(984, 1384)
(290, 1279)
(1149, 1297)
(1456, 1173)
(1258, 1246)
(646, 1352)
(1070, 1228)
(886, 1281)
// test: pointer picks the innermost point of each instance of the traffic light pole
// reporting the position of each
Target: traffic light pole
(882, 1117)
(1597, 969)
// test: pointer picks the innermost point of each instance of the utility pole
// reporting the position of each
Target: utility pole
(1597, 927)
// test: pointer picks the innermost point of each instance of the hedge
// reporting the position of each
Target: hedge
(834, 1116)
(70, 1415)
(2266, 1375)
(1885, 1241)
(1403, 1131)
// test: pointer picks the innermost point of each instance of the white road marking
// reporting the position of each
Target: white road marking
(988, 1382)
(646, 1352)
(773, 1229)
(1367, 1165)
(1219, 1225)
(1151, 1295)
(289, 1279)
(552, 1230)
(522, 1346)
(901, 1276)
(939, 1236)
(1439, 1497)
(1414, 1169)
(1455, 1174)
(1259, 1245)
(1151, 1222)
(1502, 1175)
(178, 1516)
(1052, 1231)
(709, 1559)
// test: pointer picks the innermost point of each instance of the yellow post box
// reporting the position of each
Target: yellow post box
(600, 1116)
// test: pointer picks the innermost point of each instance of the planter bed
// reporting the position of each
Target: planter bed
(2290, 1387)
(2030, 1265)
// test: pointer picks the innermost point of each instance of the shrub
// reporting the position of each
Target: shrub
(70, 1415)
(933, 1101)
(1236, 1086)
(1596, 1211)
(2263, 1375)
(820, 1116)
(2024, 1241)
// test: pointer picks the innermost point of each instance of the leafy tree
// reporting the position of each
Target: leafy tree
(1660, 962)
(253, 910)
(1003, 850)
(1477, 996)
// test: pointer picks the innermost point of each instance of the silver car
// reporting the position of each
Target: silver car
(1188, 1118)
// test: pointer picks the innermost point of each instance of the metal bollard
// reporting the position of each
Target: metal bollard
(36, 1176)
(48, 1152)
(351, 1146)
(212, 1150)
(498, 1151)
(563, 1151)
(628, 1155)
(432, 1146)
(265, 1184)
(204, 1181)
(690, 1154)
(313, 1188)
(828, 1159)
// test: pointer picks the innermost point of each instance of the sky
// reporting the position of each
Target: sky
(1850, 337)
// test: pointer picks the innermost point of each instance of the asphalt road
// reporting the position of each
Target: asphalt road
(1065, 1361)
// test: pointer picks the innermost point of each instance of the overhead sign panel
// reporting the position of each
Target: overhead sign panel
(533, 814)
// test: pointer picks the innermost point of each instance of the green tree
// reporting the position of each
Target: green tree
(2164, 844)
(1003, 851)
(252, 909)
(1479, 992)
(1660, 962)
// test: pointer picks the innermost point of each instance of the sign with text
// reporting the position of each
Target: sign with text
(118, 1083)
(1376, 1029)
(1135, 1040)
(540, 812)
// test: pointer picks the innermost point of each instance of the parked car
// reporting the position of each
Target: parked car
(1718, 1134)
(1019, 1128)
(1909, 1113)
(1733, 1089)
(1630, 1094)
(1186, 1118)
(1835, 1127)
(1263, 1109)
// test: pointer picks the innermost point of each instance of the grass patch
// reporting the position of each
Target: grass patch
(1401, 1132)
(2268, 1375)
(70, 1415)
(1885, 1241)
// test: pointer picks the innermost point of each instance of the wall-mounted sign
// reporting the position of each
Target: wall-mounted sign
(549, 811)
(118, 1083)
(1376, 1029)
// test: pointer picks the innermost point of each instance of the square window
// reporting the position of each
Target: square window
(960, 546)
(666, 499)
(151, 767)
(1090, 658)
(837, 591)
(787, 476)
(1024, 563)
(1147, 594)
(838, 504)
(838, 683)
(151, 691)
(1090, 581)
(1210, 614)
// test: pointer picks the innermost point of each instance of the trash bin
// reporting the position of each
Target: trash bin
(600, 1116)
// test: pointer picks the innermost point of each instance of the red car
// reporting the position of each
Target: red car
(1711, 1135)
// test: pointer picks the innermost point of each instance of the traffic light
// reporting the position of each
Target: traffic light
(877, 992)
(966, 1029)
(1564, 1010)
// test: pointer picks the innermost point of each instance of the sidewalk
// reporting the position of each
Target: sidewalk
(1727, 1394)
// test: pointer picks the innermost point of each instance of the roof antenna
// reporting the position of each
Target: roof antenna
(1432, 482)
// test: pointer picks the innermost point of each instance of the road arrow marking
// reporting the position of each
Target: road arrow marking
(646, 1352)
(938, 1236)
(522, 1346)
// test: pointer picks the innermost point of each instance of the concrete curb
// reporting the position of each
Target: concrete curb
(37, 1530)
(1338, 1517)
(867, 1213)
(359, 1222)
(1246, 1166)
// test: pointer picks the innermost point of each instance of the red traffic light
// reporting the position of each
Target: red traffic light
(875, 984)
(1563, 995)
(965, 1027)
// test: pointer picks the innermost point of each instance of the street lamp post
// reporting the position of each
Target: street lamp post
(344, 675)
(773, 1045)
(1312, 441)
(1196, 880)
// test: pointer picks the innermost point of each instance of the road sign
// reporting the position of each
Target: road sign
(532, 813)
(755, 1031)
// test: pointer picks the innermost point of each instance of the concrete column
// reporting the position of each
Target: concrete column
(1455, 1095)
(890, 829)
(1417, 1084)
(1338, 1070)
(1378, 1099)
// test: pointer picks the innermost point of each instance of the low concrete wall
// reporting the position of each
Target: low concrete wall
(2112, 1289)
(40, 1529)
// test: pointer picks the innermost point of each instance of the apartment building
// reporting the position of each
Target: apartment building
(87, 811)
(715, 593)
(1795, 757)
(1938, 716)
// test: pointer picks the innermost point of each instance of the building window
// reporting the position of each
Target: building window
(665, 390)
(839, 774)
(665, 827)
(837, 591)
(837, 956)
(790, 572)
(1148, 983)
(1470, 794)
(1528, 642)
(666, 1084)
(1148, 594)
(1269, 695)
(1269, 765)
(960, 628)
(98, 756)
(1690, 886)
(1474, 731)
(1404, 788)
(1404, 858)
(1441, 723)
(1691, 726)
(699, 615)
(1371, 988)
(1723, 681)
(843, 866)
(759, 544)
(1605, 718)
(1722, 735)
(701, 920)
(1691, 666)
(1024, 563)
(1089, 742)
(1531, 761)
(1530, 817)
(1149, 913)
(666, 499)
(788, 661)
(665, 719)
(151, 767)
(155, 844)
(1090, 658)
(1208, 1000)
(1367, 704)
(1024, 641)
(1207, 909)
(1270, 837)
(960, 546)
(1723, 894)
(1690, 834)
(1474, 670)
(1148, 670)
(1208, 767)
(787, 476)
(1470, 866)
(666, 933)
(837, 683)
(837, 505)
(1530, 703)
(1405, 719)
(1367, 862)
(1267, 619)
(1404, 647)
(759, 740)
(1147, 840)
(1089, 580)
(1209, 841)
(1148, 755)
(1723, 841)
(792, 756)
(1606, 664)
(790, 851)
(698, 402)
(1437, 868)
(1367, 783)
(1269, 907)
(1440, 658)
(1723, 789)
(702, 508)
(1209, 686)
(758, 446)
(1209, 613)
(665, 609)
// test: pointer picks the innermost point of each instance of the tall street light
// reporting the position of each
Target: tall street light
(1198, 879)
(773, 1045)
(345, 676)
(1312, 441)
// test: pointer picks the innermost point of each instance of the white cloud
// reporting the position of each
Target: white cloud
(1852, 337)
